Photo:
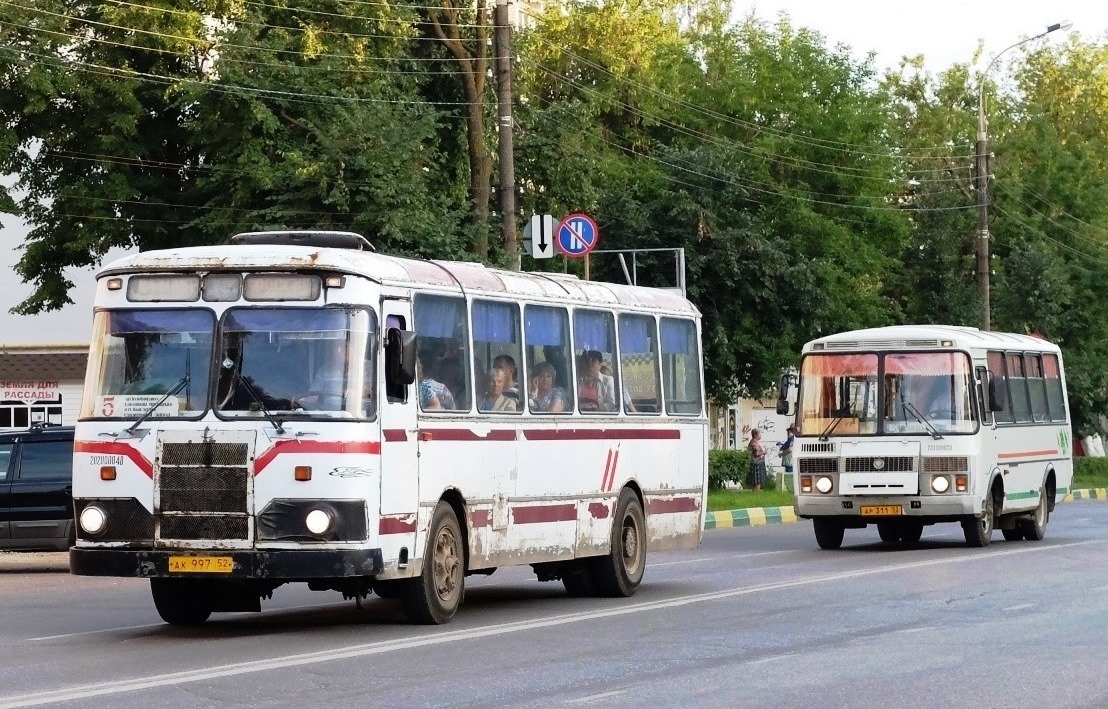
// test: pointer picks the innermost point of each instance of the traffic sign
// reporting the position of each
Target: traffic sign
(538, 236)
(577, 235)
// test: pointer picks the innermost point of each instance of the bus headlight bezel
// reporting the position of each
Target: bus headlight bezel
(93, 520)
(320, 521)
(940, 484)
(825, 484)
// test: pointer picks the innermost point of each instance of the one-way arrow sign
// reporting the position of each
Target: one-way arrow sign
(538, 235)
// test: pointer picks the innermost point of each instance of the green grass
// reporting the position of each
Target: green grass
(1087, 479)
(738, 499)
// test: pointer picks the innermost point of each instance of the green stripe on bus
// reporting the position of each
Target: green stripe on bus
(1021, 495)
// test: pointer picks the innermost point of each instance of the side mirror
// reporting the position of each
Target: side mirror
(782, 407)
(998, 394)
(400, 360)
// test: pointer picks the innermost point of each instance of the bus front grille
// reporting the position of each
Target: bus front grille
(815, 466)
(870, 464)
(203, 490)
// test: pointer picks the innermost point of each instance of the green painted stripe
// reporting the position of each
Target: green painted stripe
(1021, 495)
(773, 515)
(1062, 490)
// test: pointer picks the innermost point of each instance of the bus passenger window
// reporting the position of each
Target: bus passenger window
(497, 347)
(443, 360)
(638, 356)
(680, 367)
(546, 337)
(598, 389)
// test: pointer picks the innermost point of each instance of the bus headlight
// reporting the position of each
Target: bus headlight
(824, 484)
(93, 520)
(940, 483)
(319, 521)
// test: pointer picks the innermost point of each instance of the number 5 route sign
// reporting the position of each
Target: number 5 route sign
(577, 235)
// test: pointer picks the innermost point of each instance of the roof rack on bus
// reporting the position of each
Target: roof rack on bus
(323, 239)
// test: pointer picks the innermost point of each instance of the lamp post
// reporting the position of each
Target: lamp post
(982, 178)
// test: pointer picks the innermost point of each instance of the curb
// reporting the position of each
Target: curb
(760, 516)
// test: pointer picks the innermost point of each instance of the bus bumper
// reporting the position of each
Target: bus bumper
(931, 508)
(277, 564)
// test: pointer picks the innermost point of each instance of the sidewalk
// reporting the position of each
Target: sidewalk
(758, 516)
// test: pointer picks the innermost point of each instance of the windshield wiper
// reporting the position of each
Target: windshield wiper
(830, 427)
(130, 430)
(261, 402)
(909, 406)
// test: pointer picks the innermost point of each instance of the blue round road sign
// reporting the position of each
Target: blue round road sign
(577, 235)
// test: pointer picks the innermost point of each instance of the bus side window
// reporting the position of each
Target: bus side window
(638, 355)
(997, 372)
(983, 395)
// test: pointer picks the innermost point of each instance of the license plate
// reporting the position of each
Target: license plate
(201, 564)
(881, 510)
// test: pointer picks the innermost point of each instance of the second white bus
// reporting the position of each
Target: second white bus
(907, 426)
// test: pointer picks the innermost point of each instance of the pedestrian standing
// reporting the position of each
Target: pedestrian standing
(757, 475)
(786, 448)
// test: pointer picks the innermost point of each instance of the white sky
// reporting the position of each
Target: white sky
(944, 31)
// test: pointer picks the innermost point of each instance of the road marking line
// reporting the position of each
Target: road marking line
(920, 629)
(771, 658)
(596, 697)
(720, 558)
(1020, 607)
(440, 638)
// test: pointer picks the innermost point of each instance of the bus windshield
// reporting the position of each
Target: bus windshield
(919, 393)
(313, 361)
(139, 356)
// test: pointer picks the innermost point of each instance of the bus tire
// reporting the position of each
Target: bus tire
(181, 601)
(389, 589)
(979, 530)
(889, 532)
(1014, 534)
(433, 597)
(1034, 529)
(829, 532)
(577, 578)
(619, 573)
(910, 532)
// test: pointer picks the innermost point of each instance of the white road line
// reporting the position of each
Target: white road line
(1101, 588)
(450, 636)
(771, 658)
(1022, 606)
(721, 558)
(596, 697)
(920, 629)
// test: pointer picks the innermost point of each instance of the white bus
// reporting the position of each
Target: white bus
(908, 426)
(294, 407)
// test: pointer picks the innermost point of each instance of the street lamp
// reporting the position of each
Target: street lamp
(982, 178)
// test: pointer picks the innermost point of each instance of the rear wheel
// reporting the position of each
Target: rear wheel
(181, 601)
(910, 532)
(620, 572)
(577, 578)
(889, 532)
(979, 531)
(389, 589)
(829, 532)
(433, 597)
(1014, 534)
(1034, 529)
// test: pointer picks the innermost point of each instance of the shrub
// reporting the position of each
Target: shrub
(726, 466)
(1089, 472)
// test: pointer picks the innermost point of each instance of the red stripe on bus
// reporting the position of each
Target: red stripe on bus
(480, 518)
(397, 524)
(599, 434)
(607, 467)
(672, 505)
(544, 513)
(116, 448)
(1026, 454)
(599, 510)
(612, 473)
(301, 446)
(465, 434)
(394, 435)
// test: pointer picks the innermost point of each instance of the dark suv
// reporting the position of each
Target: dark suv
(36, 482)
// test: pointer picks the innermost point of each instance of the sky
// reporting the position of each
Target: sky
(944, 31)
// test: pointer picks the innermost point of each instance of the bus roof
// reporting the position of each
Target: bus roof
(922, 337)
(473, 278)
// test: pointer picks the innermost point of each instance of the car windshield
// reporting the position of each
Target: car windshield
(309, 361)
(149, 358)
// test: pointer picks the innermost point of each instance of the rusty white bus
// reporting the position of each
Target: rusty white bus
(295, 407)
(909, 426)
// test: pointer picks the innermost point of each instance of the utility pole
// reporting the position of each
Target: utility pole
(504, 133)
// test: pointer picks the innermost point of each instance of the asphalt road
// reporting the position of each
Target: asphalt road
(758, 616)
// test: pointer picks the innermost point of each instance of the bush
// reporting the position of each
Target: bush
(1087, 472)
(726, 466)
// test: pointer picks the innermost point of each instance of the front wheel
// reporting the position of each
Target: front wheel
(181, 601)
(619, 573)
(889, 532)
(1034, 529)
(910, 532)
(979, 531)
(829, 532)
(433, 597)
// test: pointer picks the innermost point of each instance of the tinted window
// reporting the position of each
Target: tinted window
(1017, 388)
(5, 458)
(680, 366)
(1033, 367)
(1054, 395)
(996, 373)
(46, 460)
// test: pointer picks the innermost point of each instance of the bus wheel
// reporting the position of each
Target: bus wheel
(433, 597)
(910, 532)
(181, 601)
(829, 532)
(889, 532)
(979, 532)
(1034, 529)
(619, 573)
(389, 589)
(1014, 534)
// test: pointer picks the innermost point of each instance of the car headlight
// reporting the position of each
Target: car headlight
(824, 484)
(940, 483)
(319, 521)
(93, 520)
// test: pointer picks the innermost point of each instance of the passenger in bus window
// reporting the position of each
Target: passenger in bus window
(545, 397)
(494, 398)
(327, 390)
(507, 364)
(596, 391)
(433, 394)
